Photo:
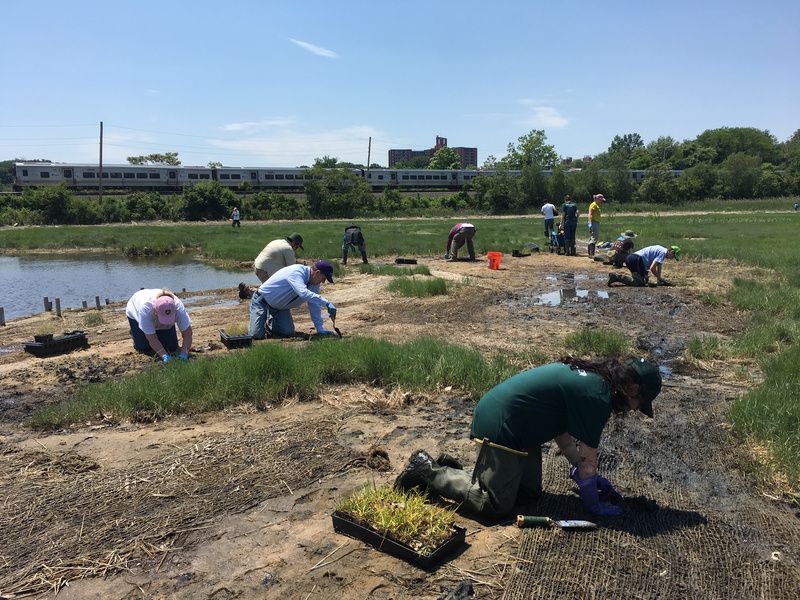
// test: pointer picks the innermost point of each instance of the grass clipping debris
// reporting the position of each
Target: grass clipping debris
(403, 516)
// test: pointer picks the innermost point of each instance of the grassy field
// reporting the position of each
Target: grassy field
(770, 300)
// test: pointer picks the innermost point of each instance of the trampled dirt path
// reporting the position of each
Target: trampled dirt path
(237, 504)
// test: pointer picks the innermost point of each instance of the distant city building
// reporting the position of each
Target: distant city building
(468, 157)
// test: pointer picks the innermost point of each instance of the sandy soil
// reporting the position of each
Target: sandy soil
(280, 544)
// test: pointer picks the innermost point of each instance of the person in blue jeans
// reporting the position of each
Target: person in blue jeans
(569, 220)
(288, 288)
(152, 316)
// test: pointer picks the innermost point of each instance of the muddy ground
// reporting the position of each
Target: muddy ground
(237, 504)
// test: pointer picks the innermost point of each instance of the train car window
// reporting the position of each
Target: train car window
(116, 176)
(155, 175)
(269, 176)
(88, 175)
(24, 172)
(236, 176)
(454, 176)
(129, 175)
(289, 176)
(224, 176)
(105, 175)
(141, 176)
(205, 176)
(44, 174)
(253, 175)
(278, 176)
(428, 177)
(393, 176)
(172, 174)
(67, 172)
(192, 176)
(380, 176)
(413, 177)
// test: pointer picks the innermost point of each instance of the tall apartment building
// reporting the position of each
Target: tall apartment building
(467, 156)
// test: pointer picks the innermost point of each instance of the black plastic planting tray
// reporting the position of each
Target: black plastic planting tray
(74, 340)
(345, 525)
(235, 341)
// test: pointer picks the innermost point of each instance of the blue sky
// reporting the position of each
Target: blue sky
(281, 83)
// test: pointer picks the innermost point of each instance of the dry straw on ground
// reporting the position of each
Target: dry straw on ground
(64, 519)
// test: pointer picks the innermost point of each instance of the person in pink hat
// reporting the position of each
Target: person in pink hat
(152, 315)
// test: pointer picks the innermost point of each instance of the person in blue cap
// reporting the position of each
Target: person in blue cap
(568, 402)
(288, 288)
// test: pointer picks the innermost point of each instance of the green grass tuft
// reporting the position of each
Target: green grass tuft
(706, 348)
(418, 288)
(394, 270)
(598, 342)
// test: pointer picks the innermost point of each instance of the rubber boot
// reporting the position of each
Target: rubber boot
(457, 485)
(364, 257)
(447, 460)
(613, 278)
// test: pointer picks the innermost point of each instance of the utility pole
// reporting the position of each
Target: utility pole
(369, 151)
(101, 163)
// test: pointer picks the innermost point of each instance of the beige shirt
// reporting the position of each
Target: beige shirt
(275, 255)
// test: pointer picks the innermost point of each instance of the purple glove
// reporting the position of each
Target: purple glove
(591, 499)
(605, 490)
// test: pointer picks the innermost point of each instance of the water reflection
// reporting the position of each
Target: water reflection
(564, 295)
(74, 278)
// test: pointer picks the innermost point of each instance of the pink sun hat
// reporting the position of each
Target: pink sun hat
(165, 309)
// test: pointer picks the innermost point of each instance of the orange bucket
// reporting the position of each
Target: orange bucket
(494, 260)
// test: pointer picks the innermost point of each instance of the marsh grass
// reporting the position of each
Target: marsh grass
(706, 348)
(236, 329)
(419, 288)
(404, 516)
(393, 270)
(93, 319)
(271, 372)
(598, 342)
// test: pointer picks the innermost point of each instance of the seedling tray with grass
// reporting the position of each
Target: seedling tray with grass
(345, 525)
(68, 342)
(235, 341)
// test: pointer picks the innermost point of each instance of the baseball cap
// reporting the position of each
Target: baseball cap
(676, 250)
(297, 239)
(649, 382)
(600, 197)
(326, 268)
(165, 310)
(628, 233)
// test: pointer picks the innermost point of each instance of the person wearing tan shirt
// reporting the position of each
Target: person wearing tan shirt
(276, 255)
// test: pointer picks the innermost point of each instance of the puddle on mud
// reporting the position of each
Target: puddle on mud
(564, 295)
(216, 300)
(666, 372)
(566, 277)
(7, 350)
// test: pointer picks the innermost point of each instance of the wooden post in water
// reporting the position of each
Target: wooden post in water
(97, 302)
(58, 307)
(108, 301)
(2, 316)
(46, 304)
(84, 305)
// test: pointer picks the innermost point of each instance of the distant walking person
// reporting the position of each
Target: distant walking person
(235, 218)
(152, 315)
(460, 234)
(549, 211)
(353, 238)
(569, 219)
(594, 223)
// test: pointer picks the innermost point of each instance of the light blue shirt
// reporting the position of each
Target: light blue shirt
(652, 254)
(289, 288)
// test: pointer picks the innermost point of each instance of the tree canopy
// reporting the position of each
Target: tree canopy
(445, 158)
(531, 149)
(168, 158)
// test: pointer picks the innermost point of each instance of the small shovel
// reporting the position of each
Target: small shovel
(527, 521)
(335, 328)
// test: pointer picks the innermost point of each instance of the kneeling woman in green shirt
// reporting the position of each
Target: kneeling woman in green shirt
(569, 402)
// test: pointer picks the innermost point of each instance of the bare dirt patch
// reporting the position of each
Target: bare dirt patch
(237, 504)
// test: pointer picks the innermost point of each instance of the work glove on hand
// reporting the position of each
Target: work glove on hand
(446, 256)
(331, 310)
(166, 358)
(591, 499)
(605, 490)
(183, 356)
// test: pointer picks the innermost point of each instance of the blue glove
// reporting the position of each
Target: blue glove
(183, 356)
(591, 499)
(166, 358)
(605, 490)
(331, 310)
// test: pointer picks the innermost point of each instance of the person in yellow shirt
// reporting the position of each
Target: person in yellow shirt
(594, 223)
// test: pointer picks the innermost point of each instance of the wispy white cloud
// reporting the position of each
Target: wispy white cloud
(314, 49)
(546, 116)
(251, 126)
(289, 148)
(152, 92)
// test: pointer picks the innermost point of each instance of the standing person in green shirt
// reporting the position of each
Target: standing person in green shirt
(569, 220)
(569, 402)
(594, 222)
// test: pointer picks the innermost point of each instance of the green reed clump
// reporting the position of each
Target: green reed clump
(405, 516)
(93, 319)
(598, 342)
(418, 288)
(706, 348)
(394, 270)
(270, 372)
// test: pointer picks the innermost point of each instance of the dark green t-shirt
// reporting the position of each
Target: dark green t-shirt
(538, 405)
(569, 211)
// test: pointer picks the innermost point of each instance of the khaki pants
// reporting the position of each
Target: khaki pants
(500, 474)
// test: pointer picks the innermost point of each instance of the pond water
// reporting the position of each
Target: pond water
(25, 280)
(564, 295)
